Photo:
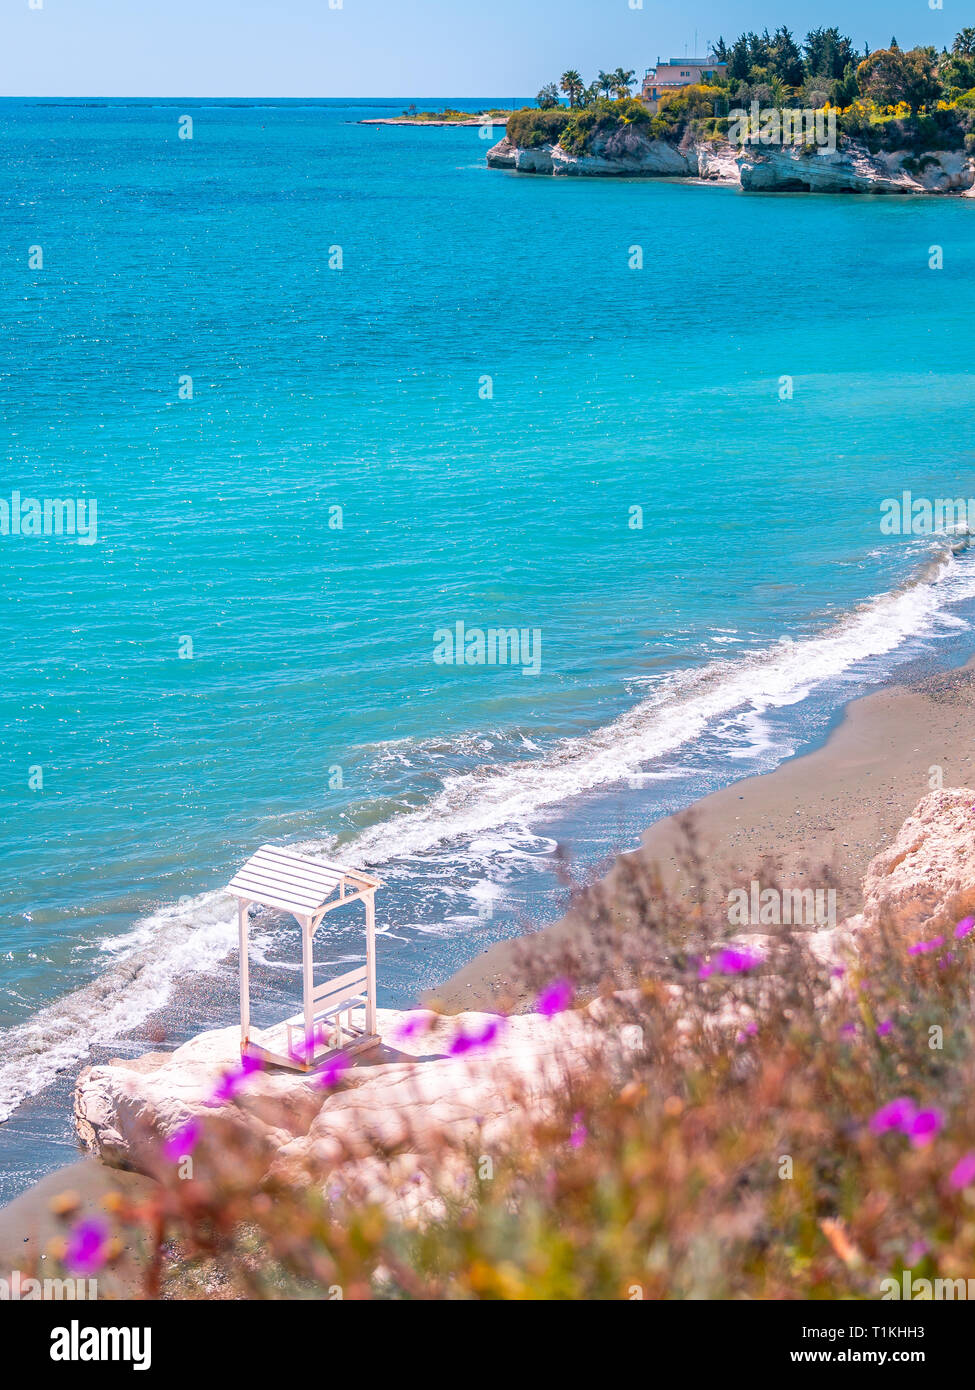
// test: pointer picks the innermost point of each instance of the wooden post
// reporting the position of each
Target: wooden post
(370, 962)
(307, 974)
(245, 996)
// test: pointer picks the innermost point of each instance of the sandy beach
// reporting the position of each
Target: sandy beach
(837, 805)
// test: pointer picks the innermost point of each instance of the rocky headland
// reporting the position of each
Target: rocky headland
(631, 153)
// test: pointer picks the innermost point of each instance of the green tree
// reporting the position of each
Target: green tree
(605, 83)
(846, 89)
(828, 53)
(622, 82)
(572, 84)
(785, 60)
(891, 76)
(964, 44)
(548, 96)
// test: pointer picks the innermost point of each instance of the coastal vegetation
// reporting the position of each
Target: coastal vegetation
(888, 99)
(780, 1123)
(449, 115)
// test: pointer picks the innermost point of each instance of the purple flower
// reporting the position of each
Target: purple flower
(884, 1028)
(579, 1133)
(233, 1080)
(182, 1142)
(849, 1030)
(555, 998)
(837, 972)
(412, 1025)
(896, 1114)
(730, 962)
(963, 1172)
(464, 1042)
(333, 1069)
(924, 1126)
(964, 927)
(87, 1248)
(921, 947)
(749, 1031)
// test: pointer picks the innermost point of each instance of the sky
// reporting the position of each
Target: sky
(402, 48)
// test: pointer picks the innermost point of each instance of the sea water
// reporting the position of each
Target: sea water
(335, 389)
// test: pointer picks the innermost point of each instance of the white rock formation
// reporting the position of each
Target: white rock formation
(925, 881)
(411, 1100)
(757, 168)
(415, 1106)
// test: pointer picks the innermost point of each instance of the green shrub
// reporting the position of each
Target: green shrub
(530, 128)
(604, 117)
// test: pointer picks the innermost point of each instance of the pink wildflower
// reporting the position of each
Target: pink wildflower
(896, 1114)
(182, 1142)
(87, 1248)
(921, 948)
(233, 1080)
(332, 1070)
(963, 1172)
(924, 1126)
(464, 1042)
(555, 998)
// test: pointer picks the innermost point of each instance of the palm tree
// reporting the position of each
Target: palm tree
(605, 82)
(573, 86)
(622, 82)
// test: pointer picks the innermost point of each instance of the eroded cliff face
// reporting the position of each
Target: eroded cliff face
(760, 168)
(853, 170)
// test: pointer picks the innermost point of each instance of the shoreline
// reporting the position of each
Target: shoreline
(413, 121)
(838, 804)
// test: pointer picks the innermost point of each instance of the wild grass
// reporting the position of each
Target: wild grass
(751, 1124)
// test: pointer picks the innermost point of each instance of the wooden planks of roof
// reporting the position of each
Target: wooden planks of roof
(293, 883)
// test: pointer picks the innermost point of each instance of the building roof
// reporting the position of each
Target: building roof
(293, 883)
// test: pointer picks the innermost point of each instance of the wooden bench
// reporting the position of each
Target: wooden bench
(328, 1003)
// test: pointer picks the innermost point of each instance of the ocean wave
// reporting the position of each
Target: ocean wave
(173, 943)
(682, 706)
(487, 813)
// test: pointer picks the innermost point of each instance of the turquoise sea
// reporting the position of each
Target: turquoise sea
(487, 391)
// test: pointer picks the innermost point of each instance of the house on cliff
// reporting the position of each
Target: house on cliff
(677, 73)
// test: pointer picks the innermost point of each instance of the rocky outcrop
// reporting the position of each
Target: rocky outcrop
(624, 153)
(436, 1085)
(925, 881)
(399, 1125)
(852, 169)
(756, 168)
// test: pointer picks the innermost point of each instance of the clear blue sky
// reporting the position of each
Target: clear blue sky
(429, 48)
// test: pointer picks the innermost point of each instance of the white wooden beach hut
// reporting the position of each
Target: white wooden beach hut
(308, 889)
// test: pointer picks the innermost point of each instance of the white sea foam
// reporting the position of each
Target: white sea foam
(171, 944)
(487, 812)
(679, 709)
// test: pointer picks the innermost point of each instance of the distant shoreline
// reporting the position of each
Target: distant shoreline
(839, 804)
(415, 120)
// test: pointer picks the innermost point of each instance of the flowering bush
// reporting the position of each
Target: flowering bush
(772, 1128)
